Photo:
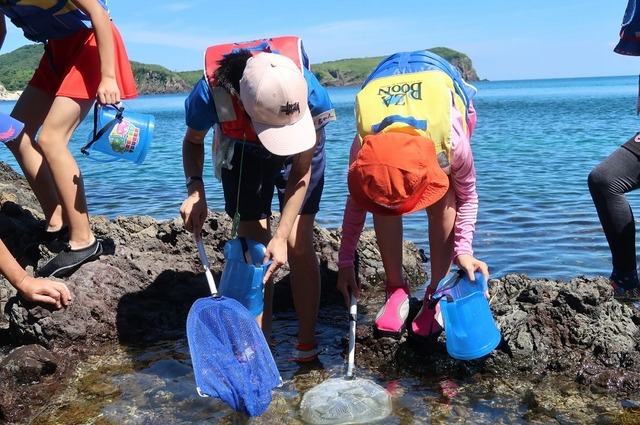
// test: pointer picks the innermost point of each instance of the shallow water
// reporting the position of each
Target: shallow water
(155, 385)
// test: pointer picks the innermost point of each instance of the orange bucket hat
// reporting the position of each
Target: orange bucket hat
(396, 173)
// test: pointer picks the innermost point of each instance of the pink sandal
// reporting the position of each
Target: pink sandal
(427, 325)
(392, 317)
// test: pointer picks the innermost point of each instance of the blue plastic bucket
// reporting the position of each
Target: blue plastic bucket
(120, 133)
(469, 326)
(242, 274)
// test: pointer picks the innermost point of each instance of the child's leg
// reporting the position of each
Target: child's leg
(390, 320)
(32, 109)
(63, 118)
(442, 219)
(389, 239)
(305, 282)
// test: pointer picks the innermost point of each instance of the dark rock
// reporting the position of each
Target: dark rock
(142, 287)
(29, 376)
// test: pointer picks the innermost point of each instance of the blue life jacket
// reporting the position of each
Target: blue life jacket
(418, 61)
(43, 20)
(409, 92)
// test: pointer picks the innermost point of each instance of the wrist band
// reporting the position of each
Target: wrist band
(193, 179)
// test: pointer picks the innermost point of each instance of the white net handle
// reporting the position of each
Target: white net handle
(205, 264)
(353, 312)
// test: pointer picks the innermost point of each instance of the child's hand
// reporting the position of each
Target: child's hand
(108, 92)
(347, 284)
(39, 290)
(470, 265)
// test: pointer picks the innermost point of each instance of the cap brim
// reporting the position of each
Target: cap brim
(10, 128)
(288, 139)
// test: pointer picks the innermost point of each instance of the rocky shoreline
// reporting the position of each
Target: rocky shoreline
(141, 290)
(9, 95)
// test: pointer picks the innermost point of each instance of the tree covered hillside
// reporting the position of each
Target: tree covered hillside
(348, 72)
(16, 68)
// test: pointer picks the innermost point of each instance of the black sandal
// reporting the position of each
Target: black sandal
(69, 260)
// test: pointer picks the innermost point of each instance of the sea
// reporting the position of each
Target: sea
(534, 145)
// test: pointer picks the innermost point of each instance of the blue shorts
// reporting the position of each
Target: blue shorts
(263, 173)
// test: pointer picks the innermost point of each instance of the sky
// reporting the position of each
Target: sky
(505, 39)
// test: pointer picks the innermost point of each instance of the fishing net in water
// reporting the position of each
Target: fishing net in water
(345, 401)
(231, 358)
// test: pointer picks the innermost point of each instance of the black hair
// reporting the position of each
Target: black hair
(230, 70)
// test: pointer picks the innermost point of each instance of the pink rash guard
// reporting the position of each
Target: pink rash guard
(462, 176)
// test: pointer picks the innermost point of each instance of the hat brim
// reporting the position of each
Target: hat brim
(433, 194)
(287, 139)
(10, 128)
(434, 191)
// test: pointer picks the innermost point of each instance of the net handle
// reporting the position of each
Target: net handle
(353, 315)
(353, 312)
(205, 264)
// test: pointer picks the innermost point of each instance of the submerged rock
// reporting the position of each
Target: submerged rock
(142, 287)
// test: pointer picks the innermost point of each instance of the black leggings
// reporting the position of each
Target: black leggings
(609, 181)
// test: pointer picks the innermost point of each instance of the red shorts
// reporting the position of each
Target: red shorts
(70, 67)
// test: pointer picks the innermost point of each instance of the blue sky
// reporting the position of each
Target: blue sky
(505, 39)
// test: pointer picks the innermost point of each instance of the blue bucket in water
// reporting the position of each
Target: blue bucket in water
(120, 134)
(243, 273)
(469, 327)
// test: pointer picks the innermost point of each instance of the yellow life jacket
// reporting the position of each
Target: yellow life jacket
(417, 103)
(233, 120)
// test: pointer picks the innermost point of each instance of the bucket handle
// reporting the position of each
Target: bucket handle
(452, 282)
(245, 250)
(97, 134)
(257, 271)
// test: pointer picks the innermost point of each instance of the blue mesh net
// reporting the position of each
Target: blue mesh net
(231, 358)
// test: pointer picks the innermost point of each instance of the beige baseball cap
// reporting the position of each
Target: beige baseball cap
(274, 93)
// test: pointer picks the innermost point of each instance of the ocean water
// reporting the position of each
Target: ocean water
(534, 145)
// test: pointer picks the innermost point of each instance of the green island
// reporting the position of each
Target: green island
(17, 66)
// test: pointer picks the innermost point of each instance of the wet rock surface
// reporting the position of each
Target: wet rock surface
(140, 291)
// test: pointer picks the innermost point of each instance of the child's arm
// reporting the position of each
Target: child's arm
(30, 288)
(108, 90)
